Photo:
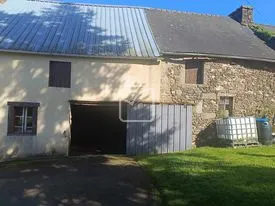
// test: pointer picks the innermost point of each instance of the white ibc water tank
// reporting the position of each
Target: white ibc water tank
(237, 128)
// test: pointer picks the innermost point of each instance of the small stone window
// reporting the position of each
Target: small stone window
(22, 118)
(194, 72)
(60, 74)
(226, 105)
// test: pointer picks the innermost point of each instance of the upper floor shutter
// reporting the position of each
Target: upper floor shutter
(60, 74)
(194, 72)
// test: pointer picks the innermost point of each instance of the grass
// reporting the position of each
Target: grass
(214, 176)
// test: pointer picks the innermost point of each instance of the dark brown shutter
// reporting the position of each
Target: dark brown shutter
(193, 72)
(34, 120)
(230, 106)
(60, 74)
(10, 119)
(200, 77)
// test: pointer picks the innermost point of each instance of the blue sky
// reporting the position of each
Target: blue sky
(264, 9)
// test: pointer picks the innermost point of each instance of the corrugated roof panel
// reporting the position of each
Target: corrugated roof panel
(150, 37)
(30, 34)
(43, 32)
(144, 35)
(75, 29)
(108, 41)
(25, 34)
(95, 22)
(138, 32)
(113, 31)
(9, 27)
(75, 33)
(66, 35)
(101, 41)
(53, 31)
(133, 32)
(129, 32)
(123, 33)
(126, 33)
(116, 28)
(79, 44)
(57, 33)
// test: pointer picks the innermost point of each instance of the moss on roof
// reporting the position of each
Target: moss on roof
(262, 33)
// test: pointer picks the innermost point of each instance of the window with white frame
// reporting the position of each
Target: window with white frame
(22, 118)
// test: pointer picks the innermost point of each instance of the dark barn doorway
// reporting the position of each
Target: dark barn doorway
(97, 129)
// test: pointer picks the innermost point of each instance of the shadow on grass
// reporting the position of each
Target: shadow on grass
(258, 155)
(208, 137)
(211, 182)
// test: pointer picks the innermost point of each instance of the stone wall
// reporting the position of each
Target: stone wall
(251, 84)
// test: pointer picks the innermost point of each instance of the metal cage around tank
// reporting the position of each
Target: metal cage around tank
(238, 131)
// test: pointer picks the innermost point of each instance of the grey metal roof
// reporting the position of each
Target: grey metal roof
(188, 33)
(75, 29)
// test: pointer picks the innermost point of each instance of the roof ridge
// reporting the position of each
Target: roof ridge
(125, 6)
(87, 4)
(186, 12)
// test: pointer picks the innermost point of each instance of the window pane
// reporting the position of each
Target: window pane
(227, 107)
(22, 118)
(18, 111)
(17, 130)
(29, 130)
(221, 106)
(18, 121)
(30, 111)
(222, 100)
(29, 122)
(226, 103)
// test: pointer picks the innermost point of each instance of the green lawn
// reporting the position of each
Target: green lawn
(214, 176)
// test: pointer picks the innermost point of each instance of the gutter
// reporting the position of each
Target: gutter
(81, 55)
(216, 55)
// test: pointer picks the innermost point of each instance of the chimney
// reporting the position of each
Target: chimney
(243, 15)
